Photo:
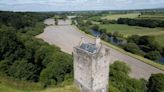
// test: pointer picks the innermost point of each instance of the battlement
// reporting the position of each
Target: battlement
(90, 47)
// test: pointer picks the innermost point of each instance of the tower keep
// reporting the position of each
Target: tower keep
(91, 66)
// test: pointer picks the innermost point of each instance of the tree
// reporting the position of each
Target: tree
(104, 37)
(119, 79)
(141, 22)
(95, 27)
(10, 46)
(24, 70)
(132, 47)
(156, 83)
(4, 66)
(109, 34)
(120, 66)
(73, 22)
(56, 21)
(103, 30)
(148, 43)
(153, 55)
(88, 22)
(44, 55)
(57, 70)
(112, 88)
(133, 39)
(117, 34)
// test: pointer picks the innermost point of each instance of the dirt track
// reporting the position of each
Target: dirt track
(66, 37)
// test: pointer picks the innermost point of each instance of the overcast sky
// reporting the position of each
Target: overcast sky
(69, 5)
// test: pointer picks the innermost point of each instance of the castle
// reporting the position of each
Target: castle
(91, 66)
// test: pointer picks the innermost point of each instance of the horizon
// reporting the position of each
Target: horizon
(78, 5)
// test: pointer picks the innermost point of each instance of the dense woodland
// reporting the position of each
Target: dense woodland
(24, 57)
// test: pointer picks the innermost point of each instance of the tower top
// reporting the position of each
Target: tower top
(98, 41)
(90, 47)
(82, 41)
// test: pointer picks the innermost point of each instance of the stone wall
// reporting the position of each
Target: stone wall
(91, 70)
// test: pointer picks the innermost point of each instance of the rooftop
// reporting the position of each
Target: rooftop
(89, 47)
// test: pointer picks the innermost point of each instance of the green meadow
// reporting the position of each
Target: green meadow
(157, 16)
(117, 16)
(160, 39)
(132, 30)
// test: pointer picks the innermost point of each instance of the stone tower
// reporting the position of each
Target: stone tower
(91, 66)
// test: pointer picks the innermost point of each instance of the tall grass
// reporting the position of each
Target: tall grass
(19, 84)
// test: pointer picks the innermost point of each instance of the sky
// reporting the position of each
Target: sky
(74, 5)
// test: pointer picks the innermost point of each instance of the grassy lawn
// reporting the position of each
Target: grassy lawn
(132, 30)
(10, 85)
(116, 16)
(4, 88)
(70, 88)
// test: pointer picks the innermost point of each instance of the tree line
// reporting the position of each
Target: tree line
(145, 46)
(141, 22)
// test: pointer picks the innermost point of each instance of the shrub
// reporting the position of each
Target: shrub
(153, 55)
(132, 47)
(156, 83)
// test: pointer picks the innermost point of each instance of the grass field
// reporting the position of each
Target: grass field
(132, 30)
(116, 16)
(160, 39)
(157, 16)
(8, 84)
(70, 88)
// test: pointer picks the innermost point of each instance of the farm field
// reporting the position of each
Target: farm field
(152, 16)
(132, 30)
(117, 16)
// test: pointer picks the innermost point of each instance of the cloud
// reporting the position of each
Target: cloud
(60, 5)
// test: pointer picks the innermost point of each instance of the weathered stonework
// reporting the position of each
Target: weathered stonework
(91, 70)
